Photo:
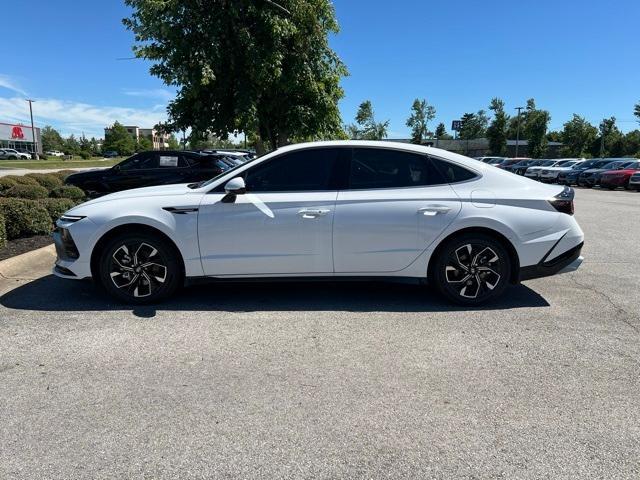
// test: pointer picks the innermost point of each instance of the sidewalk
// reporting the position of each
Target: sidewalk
(21, 269)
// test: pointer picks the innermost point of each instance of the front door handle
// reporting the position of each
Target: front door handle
(433, 210)
(313, 213)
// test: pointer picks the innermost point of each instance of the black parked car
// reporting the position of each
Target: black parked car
(146, 169)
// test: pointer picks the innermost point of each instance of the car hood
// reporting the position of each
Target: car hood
(160, 190)
(86, 175)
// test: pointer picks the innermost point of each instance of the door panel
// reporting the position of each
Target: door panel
(385, 230)
(267, 233)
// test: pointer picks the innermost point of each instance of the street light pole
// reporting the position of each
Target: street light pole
(518, 130)
(33, 130)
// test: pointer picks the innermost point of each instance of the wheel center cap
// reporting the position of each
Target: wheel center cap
(137, 269)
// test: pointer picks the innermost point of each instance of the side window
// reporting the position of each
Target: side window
(305, 170)
(386, 168)
(452, 172)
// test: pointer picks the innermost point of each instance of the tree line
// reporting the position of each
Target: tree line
(117, 139)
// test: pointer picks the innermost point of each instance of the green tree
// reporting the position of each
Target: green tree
(173, 142)
(118, 139)
(577, 136)
(51, 139)
(610, 142)
(421, 114)
(71, 145)
(497, 131)
(636, 111)
(535, 129)
(143, 144)
(554, 136)
(474, 125)
(244, 65)
(366, 127)
(632, 143)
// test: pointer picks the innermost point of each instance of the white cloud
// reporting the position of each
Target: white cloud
(160, 93)
(9, 84)
(73, 117)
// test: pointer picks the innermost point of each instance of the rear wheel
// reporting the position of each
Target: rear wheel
(140, 268)
(472, 269)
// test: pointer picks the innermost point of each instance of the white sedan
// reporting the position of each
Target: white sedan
(551, 174)
(328, 209)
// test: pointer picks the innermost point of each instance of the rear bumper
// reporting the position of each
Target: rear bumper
(569, 261)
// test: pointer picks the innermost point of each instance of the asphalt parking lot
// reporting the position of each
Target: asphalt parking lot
(333, 380)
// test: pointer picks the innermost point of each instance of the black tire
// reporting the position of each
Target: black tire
(468, 277)
(126, 256)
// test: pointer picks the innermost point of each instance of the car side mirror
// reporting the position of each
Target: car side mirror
(235, 186)
(116, 168)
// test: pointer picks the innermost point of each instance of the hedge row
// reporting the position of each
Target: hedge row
(39, 185)
(24, 218)
(3, 231)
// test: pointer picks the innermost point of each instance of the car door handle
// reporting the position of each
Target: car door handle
(433, 210)
(312, 213)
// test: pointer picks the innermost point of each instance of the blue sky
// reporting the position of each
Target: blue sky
(570, 55)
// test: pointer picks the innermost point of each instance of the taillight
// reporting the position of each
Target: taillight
(563, 202)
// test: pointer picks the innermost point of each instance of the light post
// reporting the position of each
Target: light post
(33, 130)
(518, 130)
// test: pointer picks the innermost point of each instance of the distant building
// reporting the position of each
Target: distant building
(160, 141)
(479, 147)
(20, 137)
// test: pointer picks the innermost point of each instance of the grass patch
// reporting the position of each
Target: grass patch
(58, 163)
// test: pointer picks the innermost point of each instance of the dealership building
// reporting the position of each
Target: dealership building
(20, 137)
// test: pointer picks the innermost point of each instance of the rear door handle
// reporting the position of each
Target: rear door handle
(313, 213)
(433, 210)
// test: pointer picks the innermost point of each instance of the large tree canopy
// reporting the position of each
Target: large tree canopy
(245, 65)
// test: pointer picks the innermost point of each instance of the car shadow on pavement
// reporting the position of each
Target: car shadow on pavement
(53, 294)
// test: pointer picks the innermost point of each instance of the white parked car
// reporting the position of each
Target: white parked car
(54, 153)
(550, 174)
(534, 171)
(11, 154)
(328, 209)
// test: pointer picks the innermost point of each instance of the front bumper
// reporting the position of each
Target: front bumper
(569, 261)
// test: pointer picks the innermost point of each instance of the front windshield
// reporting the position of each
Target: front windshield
(585, 165)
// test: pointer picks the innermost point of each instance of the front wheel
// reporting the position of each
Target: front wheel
(140, 268)
(472, 269)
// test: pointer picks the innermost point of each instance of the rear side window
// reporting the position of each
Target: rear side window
(452, 172)
(300, 171)
(385, 168)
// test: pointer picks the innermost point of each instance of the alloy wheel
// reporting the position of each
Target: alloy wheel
(473, 270)
(137, 269)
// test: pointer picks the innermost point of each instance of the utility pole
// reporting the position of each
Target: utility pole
(33, 130)
(518, 130)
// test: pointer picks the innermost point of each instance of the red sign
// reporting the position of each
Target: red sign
(17, 133)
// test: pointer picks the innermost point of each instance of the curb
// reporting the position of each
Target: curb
(29, 265)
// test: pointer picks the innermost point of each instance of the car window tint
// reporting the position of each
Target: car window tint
(452, 172)
(386, 168)
(305, 170)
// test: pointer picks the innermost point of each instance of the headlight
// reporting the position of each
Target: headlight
(71, 218)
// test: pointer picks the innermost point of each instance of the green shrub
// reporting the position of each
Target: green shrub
(85, 155)
(74, 193)
(27, 191)
(3, 231)
(56, 206)
(46, 180)
(5, 184)
(24, 218)
(22, 179)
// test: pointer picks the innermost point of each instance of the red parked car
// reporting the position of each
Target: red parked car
(618, 178)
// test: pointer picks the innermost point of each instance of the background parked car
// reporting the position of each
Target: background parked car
(151, 168)
(619, 178)
(110, 154)
(634, 182)
(489, 159)
(54, 153)
(570, 177)
(591, 177)
(508, 162)
(11, 154)
(550, 174)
